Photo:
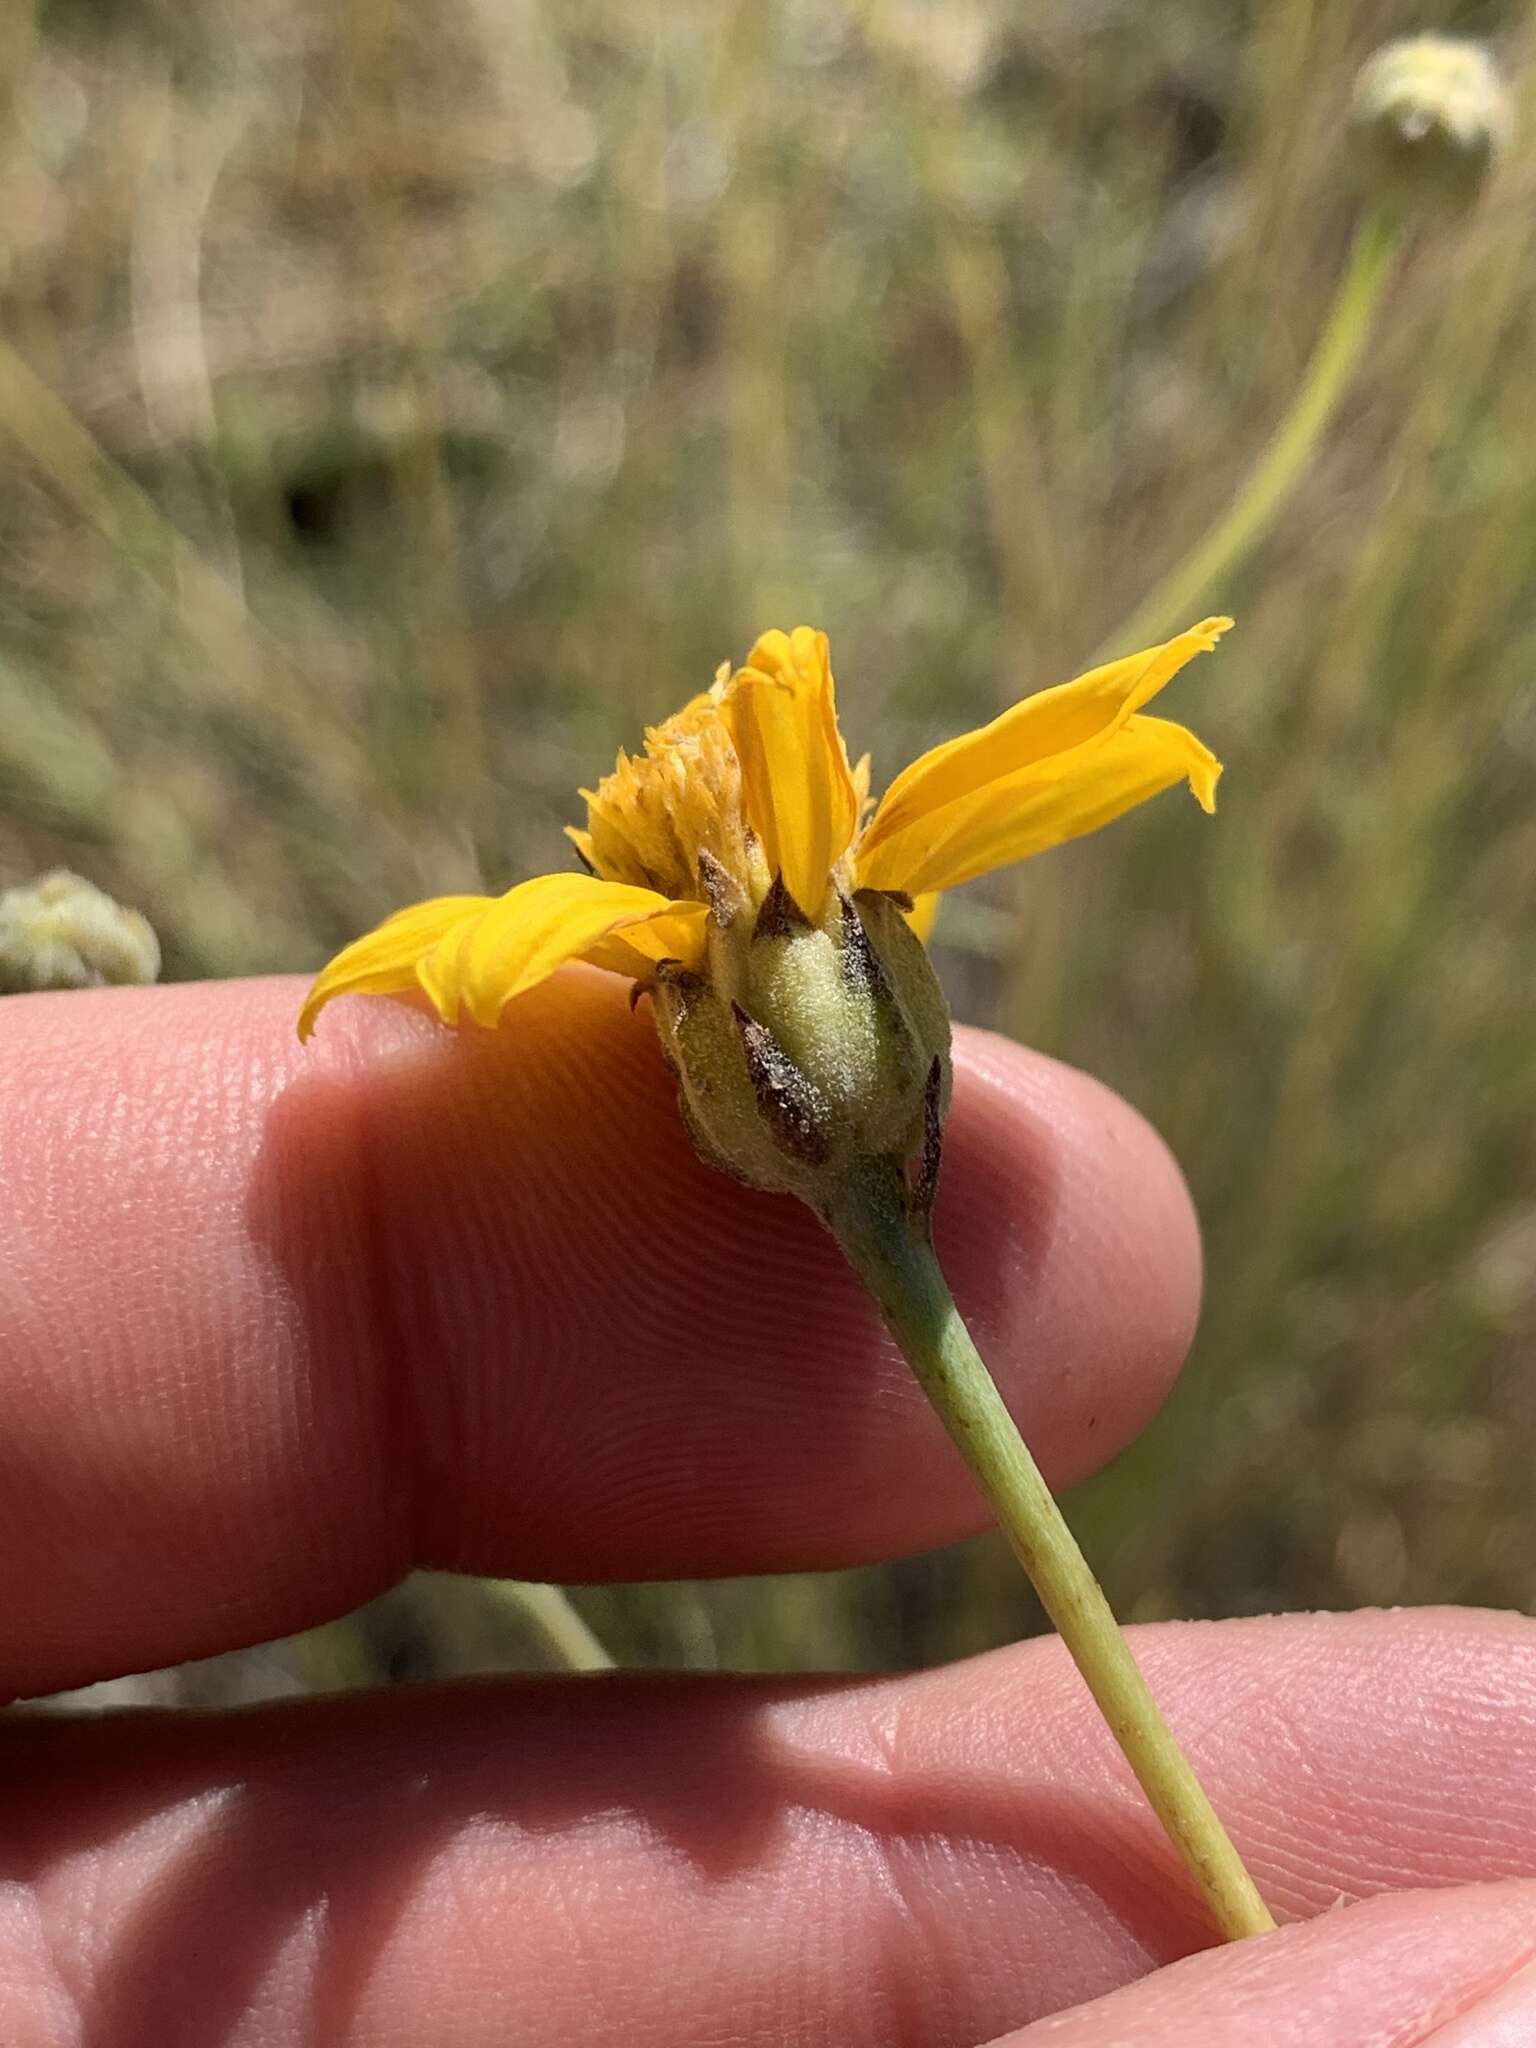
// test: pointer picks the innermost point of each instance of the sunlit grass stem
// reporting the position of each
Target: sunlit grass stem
(1378, 244)
(547, 1610)
(893, 1256)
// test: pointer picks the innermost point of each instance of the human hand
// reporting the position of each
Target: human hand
(276, 1325)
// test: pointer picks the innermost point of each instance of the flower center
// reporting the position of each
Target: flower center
(674, 819)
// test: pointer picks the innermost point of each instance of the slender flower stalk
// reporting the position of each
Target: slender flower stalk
(893, 1254)
(572, 1645)
(1373, 260)
(1430, 119)
(739, 876)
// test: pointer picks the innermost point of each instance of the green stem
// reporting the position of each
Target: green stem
(571, 1643)
(1373, 256)
(891, 1252)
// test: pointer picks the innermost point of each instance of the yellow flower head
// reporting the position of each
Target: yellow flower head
(733, 874)
(744, 806)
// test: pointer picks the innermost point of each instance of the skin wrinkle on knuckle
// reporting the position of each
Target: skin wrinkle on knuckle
(418, 1303)
(43, 1988)
(939, 1785)
(1503, 2016)
(310, 1212)
(489, 1290)
(156, 1312)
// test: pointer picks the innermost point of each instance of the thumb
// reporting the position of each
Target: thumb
(1456, 1969)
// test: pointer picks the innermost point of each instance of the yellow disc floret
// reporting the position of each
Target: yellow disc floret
(673, 819)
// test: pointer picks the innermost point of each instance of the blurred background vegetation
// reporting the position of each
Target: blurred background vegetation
(400, 404)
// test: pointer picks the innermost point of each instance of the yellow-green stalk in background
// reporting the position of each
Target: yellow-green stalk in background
(1429, 119)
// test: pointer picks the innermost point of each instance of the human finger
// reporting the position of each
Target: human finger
(1456, 1969)
(672, 1863)
(278, 1322)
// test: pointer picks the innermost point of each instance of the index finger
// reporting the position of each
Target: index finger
(278, 1323)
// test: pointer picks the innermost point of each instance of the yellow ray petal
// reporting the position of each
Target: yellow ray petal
(582, 841)
(1040, 806)
(474, 953)
(801, 798)
(383, 961)
(676, 933)
(924, 914)
(1048, 723)
(521, 938)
